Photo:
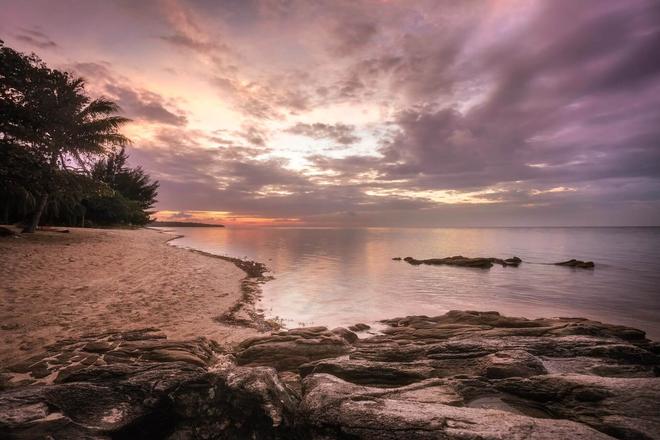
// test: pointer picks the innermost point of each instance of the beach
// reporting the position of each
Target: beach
(56, 286)
(117, 334)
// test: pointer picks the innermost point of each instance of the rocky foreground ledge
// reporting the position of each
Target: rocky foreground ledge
(463, 375)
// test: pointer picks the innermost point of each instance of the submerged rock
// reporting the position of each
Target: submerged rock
(577, 263)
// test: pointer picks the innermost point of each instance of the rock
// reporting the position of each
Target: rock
(287, 350)
(459, 260)
(97, 347)
(334, 409)
(622, 407)
(193, 393)
(425, 375)
(348, 335)
(359, 327)
(462, 375)
(577, 263)
(512, 363)
(366, 372)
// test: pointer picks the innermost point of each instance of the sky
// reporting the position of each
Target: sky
(376, 113)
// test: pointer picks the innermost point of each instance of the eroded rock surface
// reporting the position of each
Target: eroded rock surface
(140, 385)
(287, 350)
(462, 375)
(478, 375)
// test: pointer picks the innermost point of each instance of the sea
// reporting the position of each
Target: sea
(342, 276)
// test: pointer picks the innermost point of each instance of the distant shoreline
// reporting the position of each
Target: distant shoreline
(184, 225)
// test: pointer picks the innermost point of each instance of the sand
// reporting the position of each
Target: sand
(55, 286)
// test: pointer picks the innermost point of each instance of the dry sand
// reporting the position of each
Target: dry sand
(55, 286)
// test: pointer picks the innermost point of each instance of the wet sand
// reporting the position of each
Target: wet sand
(55, 286)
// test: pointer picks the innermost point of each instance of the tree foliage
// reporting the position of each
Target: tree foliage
(132, 193)
(59, 150)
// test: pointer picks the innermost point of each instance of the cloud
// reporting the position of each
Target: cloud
(340, 133)
(145, 105)
(563, 122)
(35, 38)
(190, 43)
(347, 38)
(443, 111)
(265, 98)
(136, 102)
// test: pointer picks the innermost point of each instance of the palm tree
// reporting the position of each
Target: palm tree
(47, 115)
(72, 129)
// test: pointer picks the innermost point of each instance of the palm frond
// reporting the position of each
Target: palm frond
(99, 107)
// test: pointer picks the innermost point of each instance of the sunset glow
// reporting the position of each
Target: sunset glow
(374, 113)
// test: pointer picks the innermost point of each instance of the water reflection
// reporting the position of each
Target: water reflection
(342, 276)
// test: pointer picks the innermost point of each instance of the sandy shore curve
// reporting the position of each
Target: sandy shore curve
(55, 286)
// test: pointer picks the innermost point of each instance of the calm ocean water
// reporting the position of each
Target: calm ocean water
(333, 277)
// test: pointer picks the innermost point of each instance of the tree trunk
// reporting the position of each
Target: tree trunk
(34, 221)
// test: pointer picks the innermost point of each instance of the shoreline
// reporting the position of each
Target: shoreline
(56, 286)
(243, 312)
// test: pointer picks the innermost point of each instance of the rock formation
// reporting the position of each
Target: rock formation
(476, 375)
(577, 263)
(140, 385)
(459, 260)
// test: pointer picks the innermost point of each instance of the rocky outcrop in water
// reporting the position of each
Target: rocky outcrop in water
(476, 375)
(577, 263)
(461, 261)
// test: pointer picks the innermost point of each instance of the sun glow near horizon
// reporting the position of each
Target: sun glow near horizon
(348, 114)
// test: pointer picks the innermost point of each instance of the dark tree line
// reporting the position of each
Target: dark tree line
(62, 155)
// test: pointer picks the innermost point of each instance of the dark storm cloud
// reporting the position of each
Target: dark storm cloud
(340, 133)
